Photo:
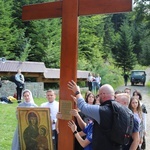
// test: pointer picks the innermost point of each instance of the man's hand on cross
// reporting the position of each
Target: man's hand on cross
(73, 86)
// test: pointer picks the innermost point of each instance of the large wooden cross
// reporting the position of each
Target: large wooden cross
(69, 10)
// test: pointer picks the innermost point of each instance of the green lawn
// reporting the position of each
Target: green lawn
(8, 123)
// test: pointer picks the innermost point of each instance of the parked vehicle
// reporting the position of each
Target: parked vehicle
(138, 76)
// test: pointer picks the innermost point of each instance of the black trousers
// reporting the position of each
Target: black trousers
(19, 93)
(90, 86)
(55, 139)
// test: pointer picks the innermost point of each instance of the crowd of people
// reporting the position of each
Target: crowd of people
(93, 82)
(98, 120)
(89, 121)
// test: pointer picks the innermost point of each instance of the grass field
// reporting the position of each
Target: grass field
(8, 123)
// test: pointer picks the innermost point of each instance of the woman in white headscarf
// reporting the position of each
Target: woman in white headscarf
(28, 101)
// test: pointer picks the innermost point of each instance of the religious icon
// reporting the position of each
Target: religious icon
(35, 128)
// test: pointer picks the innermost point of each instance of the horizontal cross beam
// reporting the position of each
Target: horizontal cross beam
(86, 7)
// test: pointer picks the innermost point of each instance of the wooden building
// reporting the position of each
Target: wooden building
(36, 70)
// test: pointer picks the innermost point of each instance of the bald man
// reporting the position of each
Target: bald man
(101, 114)
(124, 99)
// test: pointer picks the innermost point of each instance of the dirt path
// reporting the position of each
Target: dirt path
(145, 91)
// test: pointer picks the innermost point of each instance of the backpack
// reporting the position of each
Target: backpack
(122, 124)
(144, 110)
(6, 100)
(12, 78)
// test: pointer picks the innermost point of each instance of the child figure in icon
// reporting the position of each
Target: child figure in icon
(42, 142)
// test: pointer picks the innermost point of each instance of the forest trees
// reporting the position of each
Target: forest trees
(136, 27)
(124, 56)
(90, 42)
(7, 34)
(141, 37)
(115, 39)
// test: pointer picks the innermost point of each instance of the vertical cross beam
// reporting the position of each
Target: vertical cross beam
(68, 71)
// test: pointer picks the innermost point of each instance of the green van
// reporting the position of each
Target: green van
(138, 76)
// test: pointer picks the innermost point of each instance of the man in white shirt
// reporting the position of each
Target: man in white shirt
(54, 108)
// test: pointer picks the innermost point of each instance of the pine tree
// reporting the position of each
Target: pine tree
(124, 57)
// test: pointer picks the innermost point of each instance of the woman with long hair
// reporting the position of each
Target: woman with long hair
(137, 111)
(138, 95)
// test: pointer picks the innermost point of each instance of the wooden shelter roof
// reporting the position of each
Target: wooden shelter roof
(35, 69)
(27, 66)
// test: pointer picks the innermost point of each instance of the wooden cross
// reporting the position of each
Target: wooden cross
(69, 10)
